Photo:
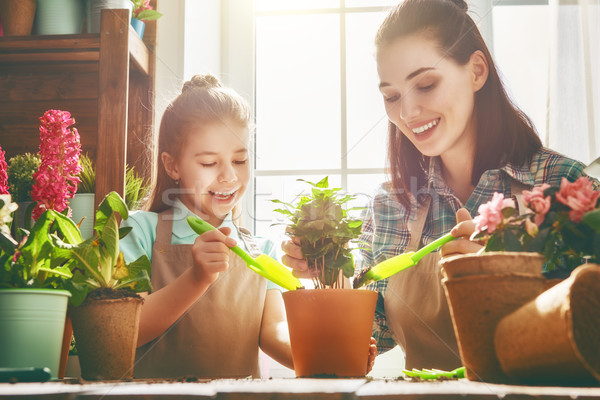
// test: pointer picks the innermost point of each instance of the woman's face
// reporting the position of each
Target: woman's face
(213, 169)
(429, 97)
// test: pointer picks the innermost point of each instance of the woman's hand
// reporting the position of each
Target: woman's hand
(294, 259)
(211, 255)
(462, 231)
(372, 354)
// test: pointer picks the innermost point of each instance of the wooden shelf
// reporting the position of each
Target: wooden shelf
(105, 80)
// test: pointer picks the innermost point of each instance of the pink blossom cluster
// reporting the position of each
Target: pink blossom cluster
(144, 5)
(56, 179)
(580, 196)
(537, 203)
(3, 173)
(490, 213)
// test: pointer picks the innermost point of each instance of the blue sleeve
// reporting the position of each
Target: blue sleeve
(268, 247)
(140, 240)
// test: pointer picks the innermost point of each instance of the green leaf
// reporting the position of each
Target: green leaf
(592, 219)
(69, 230)
(148, 15)
(110, 204)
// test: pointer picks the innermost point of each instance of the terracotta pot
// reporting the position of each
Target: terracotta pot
(330, 330)
(66, 345)
(477, 303)
(556, 337)
(492, 263)
(17, 16)
(106, 333)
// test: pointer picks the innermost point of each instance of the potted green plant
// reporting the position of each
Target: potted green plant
(105, 305)
(82, 204)
(330, 326)
(20, 170)
(33, 296)
(142, 11)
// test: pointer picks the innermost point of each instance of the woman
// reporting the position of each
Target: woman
(455, 138)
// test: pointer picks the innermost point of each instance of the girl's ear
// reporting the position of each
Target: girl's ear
(479, 68)
(170, 165)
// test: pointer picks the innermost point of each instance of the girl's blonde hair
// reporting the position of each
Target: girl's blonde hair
(203, 100)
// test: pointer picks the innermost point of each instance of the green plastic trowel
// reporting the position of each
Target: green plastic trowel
(263, 264)
(399, 263)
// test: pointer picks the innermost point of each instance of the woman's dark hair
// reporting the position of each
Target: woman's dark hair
(504, 133)
(202, 100)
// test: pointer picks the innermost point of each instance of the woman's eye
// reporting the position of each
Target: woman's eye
(391, 99)
(207, 165)
(427, 88)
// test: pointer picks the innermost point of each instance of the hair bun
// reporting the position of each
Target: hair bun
(207, 81)
(462, 4)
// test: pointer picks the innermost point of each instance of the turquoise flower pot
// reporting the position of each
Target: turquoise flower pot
(32, 322)
(138, 26)
(59, 17)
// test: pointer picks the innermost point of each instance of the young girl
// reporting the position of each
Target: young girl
(455, 138)
(208, 313)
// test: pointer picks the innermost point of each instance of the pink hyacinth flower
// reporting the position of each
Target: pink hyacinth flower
(3, 173)
(580, 196)
(56, 179)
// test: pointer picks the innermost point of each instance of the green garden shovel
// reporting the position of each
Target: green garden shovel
(263, 264)
(399, 263)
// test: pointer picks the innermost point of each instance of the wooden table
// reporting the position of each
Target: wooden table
(274, 389)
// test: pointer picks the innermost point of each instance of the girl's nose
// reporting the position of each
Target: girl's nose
(227, 174)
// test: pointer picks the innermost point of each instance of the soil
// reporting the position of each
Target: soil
(108, 293)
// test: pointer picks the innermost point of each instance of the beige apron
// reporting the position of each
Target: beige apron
(415, 304)
(219, 335)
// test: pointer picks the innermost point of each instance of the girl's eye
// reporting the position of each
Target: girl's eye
(241, 162)
(207, 165)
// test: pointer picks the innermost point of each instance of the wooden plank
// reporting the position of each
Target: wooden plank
(140, 56)
(112, 103)
(34, 68)
(140, 134)
(46, 85)
(14, 44)
(45, 57)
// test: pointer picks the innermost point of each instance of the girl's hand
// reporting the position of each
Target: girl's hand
(372, 354)
(294, 259)
(463, 231)
(211, 255)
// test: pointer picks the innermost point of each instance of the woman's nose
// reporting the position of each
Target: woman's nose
(409, 109)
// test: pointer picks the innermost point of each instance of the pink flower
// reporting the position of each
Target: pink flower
(3, 173)
(490, 213)
(56, 179)
(537, 203)
(580, 196)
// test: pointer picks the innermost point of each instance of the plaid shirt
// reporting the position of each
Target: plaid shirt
(385, 227)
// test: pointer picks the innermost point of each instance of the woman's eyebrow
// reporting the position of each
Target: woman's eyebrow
(409, 76)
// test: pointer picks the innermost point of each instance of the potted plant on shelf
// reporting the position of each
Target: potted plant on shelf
(330, 326)
(33, 276)
(142, 11)
(105, 305)
(20, 170)
(559, 232)
(82, 204)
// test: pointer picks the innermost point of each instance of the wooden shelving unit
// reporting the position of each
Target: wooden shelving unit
(106, 81)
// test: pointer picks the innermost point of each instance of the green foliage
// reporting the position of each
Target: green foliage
(324, 228)
(98, 262)
(87, 175)
(20, 175)
(37, 262)
(136, 187)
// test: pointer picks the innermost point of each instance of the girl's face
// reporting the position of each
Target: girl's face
(213, 169)
(429, 97)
